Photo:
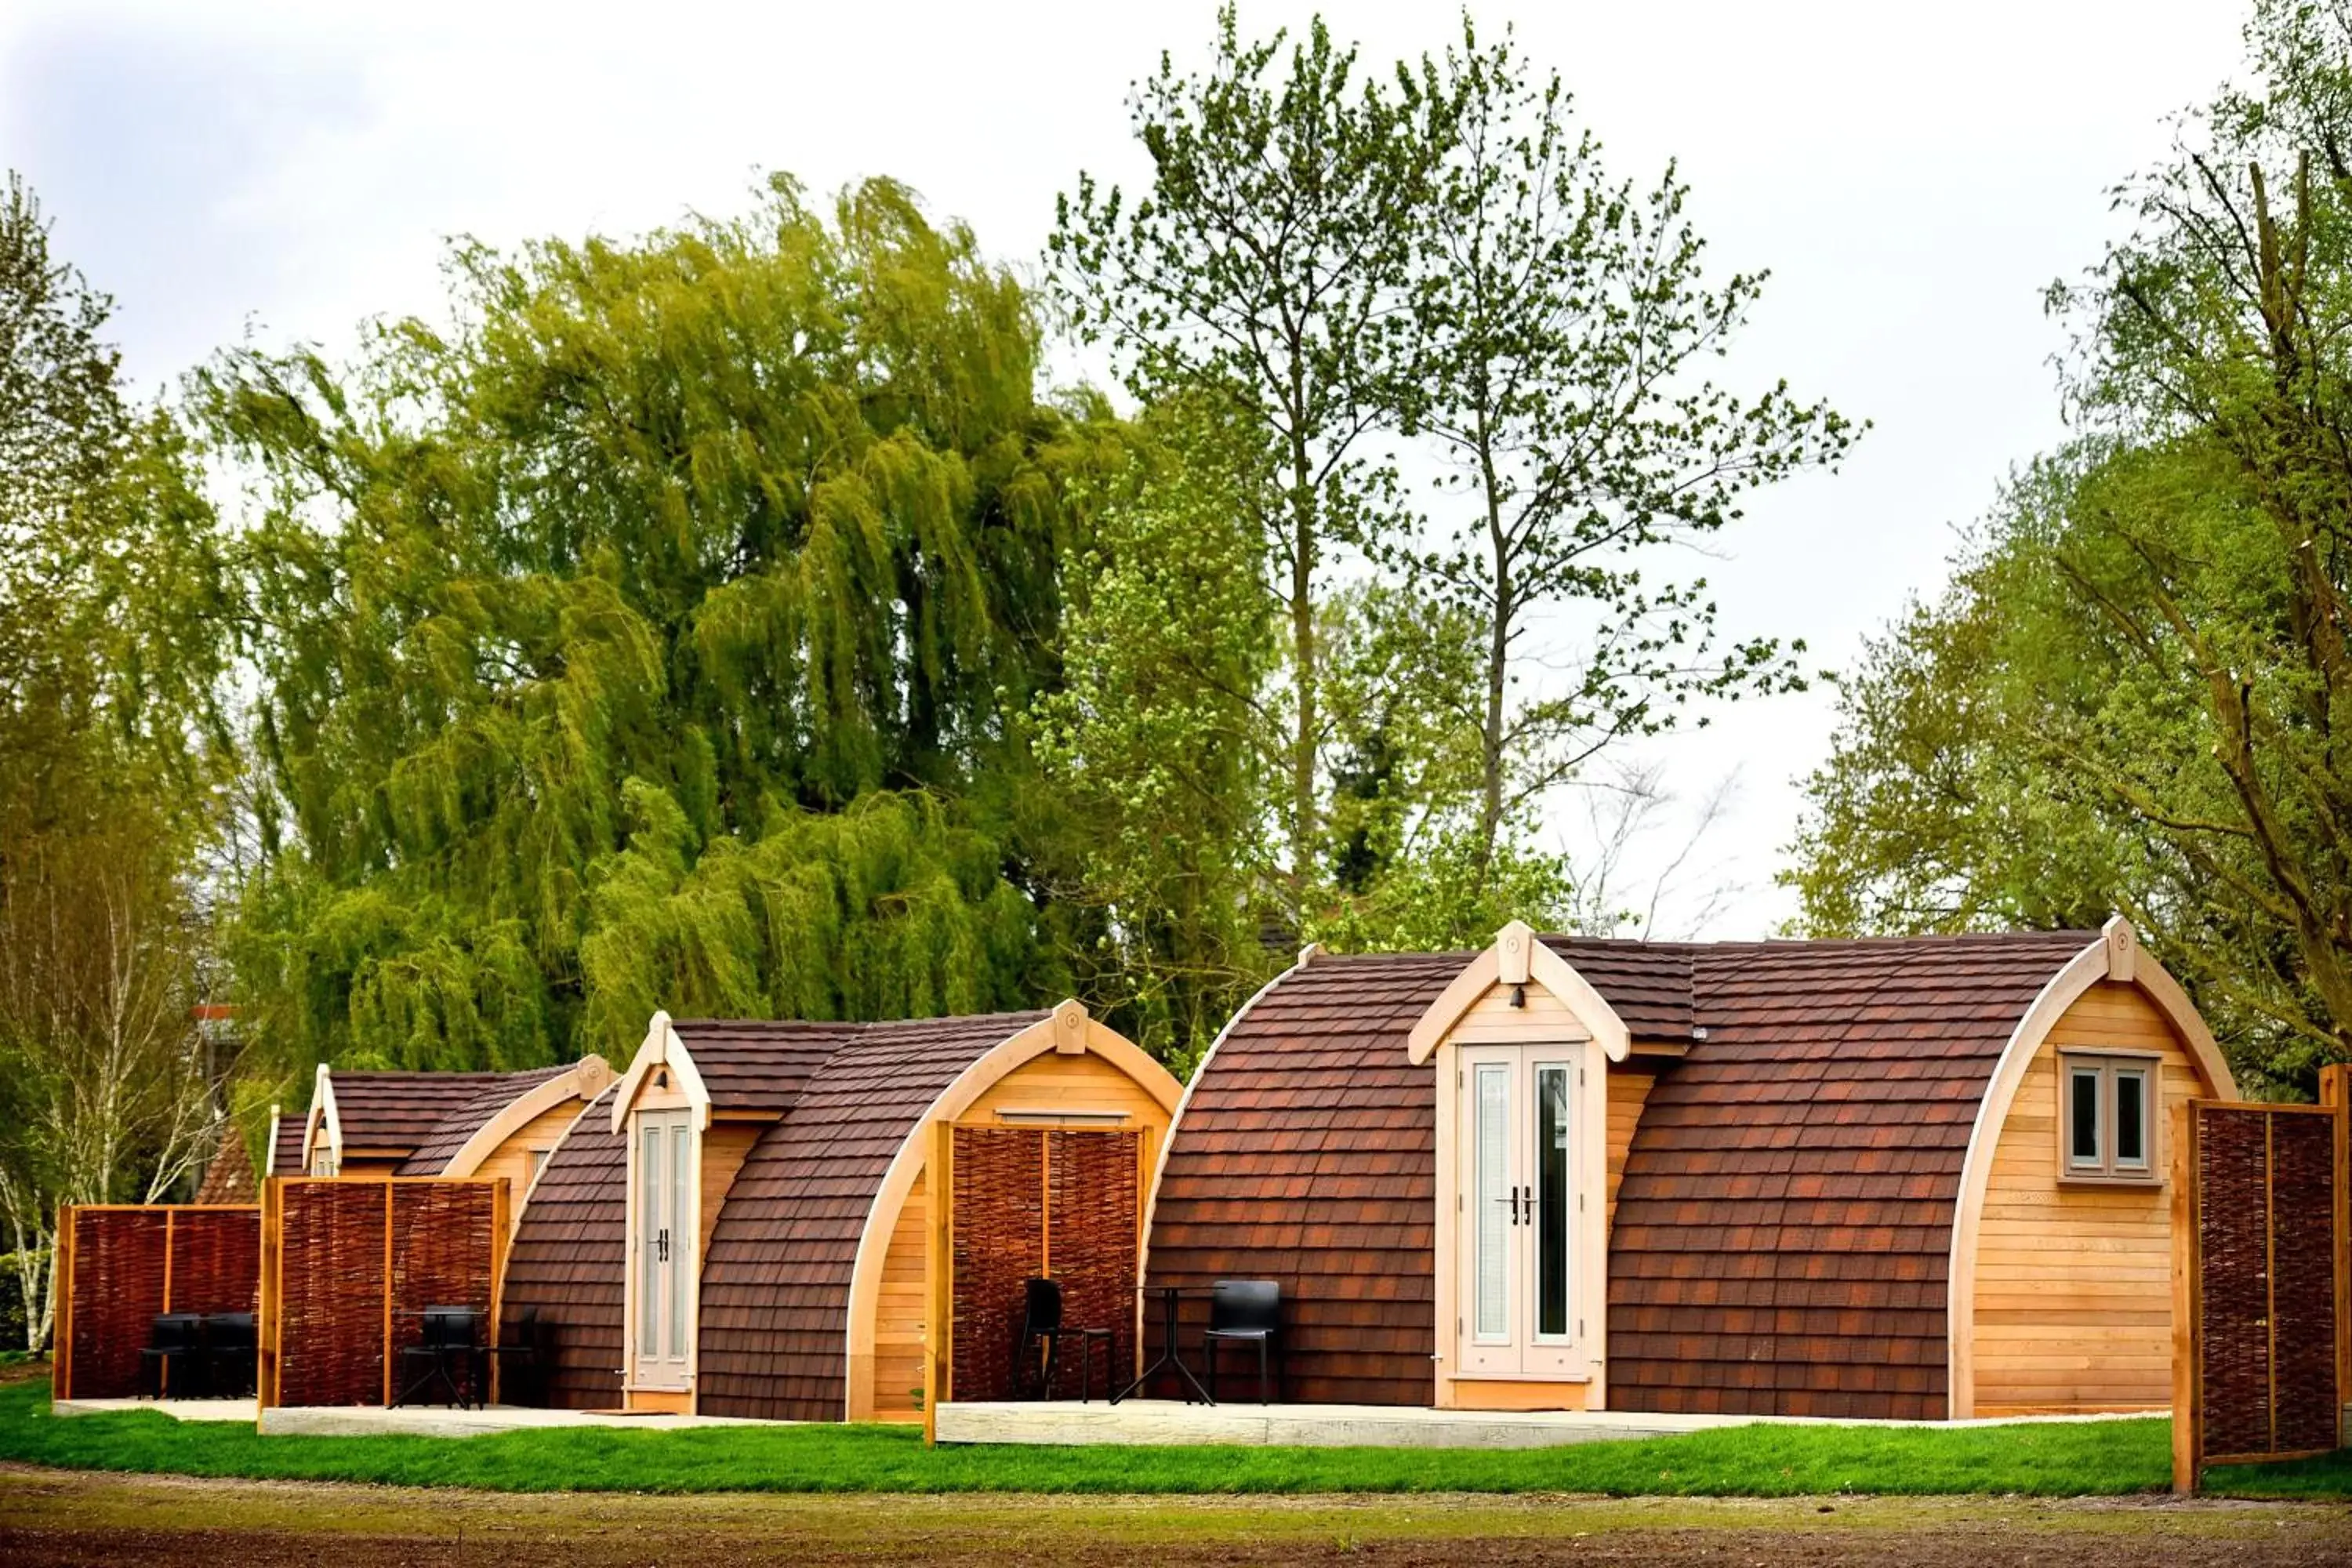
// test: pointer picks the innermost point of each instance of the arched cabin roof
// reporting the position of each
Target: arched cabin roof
(773, 1312)
(568, 1261)
(775, 1283)
(460, 1122)
(1783, 1227)
(378, 1115)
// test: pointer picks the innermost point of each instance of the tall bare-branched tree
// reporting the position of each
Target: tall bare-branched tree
(1566, 336)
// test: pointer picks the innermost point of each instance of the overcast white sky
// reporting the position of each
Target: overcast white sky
(1914, 175)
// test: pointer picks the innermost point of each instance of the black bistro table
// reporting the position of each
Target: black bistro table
(452, 1340)
(1171, 1298)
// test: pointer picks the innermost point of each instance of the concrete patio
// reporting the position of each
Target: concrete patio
(1155, 1421)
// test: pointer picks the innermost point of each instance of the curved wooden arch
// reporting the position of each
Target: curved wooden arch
(1068, 1028)
(1516, 958)
(2117, 956)
(585, 1080)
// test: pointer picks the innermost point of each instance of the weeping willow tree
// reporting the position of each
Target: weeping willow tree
(644, 638)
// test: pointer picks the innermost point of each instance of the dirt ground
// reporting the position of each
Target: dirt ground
(53, 1519)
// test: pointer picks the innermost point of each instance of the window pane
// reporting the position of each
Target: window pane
(2082, 1116)
(2131, 1117)
(1551, 1200)
(649, 1171)
(680, 1148)
(1493, 1316)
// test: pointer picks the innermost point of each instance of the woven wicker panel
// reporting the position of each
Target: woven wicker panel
(1092, 1230)
(998, 1228)
(2303, 1210)
(216, 1260)
(2234, 1236)
(118, 1289)
(329, 1329)
(442, 1252)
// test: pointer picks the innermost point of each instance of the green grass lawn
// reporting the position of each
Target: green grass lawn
(2091, 1458)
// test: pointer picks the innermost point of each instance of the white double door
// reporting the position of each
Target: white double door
(1521, 1211)
(662, 1241)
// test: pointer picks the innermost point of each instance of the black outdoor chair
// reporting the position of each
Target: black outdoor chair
(1247, 1312)
(1041, 1322)
(175, 1349)
(451, 1347)
(525, 1359)
(231, 1351)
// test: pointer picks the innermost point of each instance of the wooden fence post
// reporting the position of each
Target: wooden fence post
(2187, 1342)
(500, 1218)
(61, 1323)
(939, 1261)
(2335, 1092)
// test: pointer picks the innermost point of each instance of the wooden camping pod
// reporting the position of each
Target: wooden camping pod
(795, 1279)
(1808, 1178)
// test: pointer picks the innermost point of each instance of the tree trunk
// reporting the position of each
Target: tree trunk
(1302, 813)
(1498, 648)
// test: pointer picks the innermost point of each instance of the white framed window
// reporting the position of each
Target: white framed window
(2107, 1105)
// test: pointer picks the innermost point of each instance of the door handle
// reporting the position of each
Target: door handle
(661, 1246)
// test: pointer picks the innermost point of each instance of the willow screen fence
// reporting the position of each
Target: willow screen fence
(121, 1265)
(1022, 1203)
(349, 1266)
(2262, 1332)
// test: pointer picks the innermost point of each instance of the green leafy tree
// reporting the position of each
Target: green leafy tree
(1564, 327)
(1157, 744)
(580, 620)
(115, 614)
(2138, 696)
(1261, 273)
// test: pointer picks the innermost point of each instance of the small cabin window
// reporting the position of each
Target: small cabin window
(2107, 1117)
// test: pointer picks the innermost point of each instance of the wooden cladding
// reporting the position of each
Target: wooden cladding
(1030, 1202)
(2257, 1288)
(348, 1269)
(121, 1265)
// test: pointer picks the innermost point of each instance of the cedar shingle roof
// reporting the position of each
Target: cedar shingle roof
(1783, 1225)
(1307, 1155)
(229, 1179)
(453, 1131)
(1647, 985)
(569, 1258)
(399, 1111)
(755, 1066)
(286, 1153)
(1783, 1231)
(776, 1284)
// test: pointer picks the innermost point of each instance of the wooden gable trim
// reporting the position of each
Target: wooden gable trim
(2116, 956)
(1067, 1022)
(1518, 958)
(322, 1118)
(584, 1081)
(269, 1150)
(662, 1047)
